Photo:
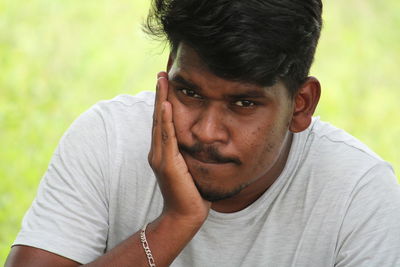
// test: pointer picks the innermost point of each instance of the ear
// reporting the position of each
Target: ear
(305, 103)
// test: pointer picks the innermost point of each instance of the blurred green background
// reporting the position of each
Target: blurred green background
(57, 58)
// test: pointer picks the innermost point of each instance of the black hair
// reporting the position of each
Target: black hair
(251, 41)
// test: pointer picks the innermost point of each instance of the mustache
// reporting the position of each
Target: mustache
(210, 152)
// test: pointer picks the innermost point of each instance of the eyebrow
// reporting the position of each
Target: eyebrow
(247, 93)
(179, 79)
(252, 93)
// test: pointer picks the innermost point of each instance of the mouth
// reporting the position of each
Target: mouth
(206, 160)
(207, 155)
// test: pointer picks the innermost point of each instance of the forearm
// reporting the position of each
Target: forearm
(166, 236)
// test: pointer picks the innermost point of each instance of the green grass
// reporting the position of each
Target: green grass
(57, 58)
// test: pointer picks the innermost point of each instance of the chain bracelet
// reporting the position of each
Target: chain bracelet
(146, 247)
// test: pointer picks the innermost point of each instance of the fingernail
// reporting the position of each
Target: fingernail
(159, 82)
(160, 75)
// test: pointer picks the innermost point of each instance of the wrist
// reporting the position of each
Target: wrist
(175, 232)
(182, 222)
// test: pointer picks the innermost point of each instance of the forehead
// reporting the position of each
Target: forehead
(185, 56)
(187, 67)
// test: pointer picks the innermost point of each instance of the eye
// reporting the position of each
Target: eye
(190, 93)
(244, 103)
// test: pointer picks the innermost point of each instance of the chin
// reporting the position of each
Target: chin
(217, 194)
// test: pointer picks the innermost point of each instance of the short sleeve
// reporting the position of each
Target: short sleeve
(370, 233)
(69, 215)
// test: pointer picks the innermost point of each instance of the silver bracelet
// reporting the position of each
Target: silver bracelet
(146, 247)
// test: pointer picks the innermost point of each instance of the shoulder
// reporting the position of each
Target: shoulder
(335, 150)
(116, 118)
(331, 137)
(108, 135)
(123, 107)
(340, 165)
(142, 98)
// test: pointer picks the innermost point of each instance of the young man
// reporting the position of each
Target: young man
(241, 174)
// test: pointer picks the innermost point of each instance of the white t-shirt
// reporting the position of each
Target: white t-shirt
(336, 203)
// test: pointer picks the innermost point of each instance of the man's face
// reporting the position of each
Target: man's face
(232, 135)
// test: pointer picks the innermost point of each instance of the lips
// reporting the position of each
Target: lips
(207, 155)
(203, 158)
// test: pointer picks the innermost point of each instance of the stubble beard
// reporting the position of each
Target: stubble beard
(213, 195)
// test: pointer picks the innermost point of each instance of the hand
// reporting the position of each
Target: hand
(182, 200)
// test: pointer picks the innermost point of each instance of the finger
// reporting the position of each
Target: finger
(157, 102)
(162, 74)
(168, 137)
(162, 92)
(156, 108)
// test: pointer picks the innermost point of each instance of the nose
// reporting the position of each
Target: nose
(210, 126)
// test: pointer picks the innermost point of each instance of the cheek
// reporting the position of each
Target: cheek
(273, 145)
(263, 144)
(182, 119)
(250, 142)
